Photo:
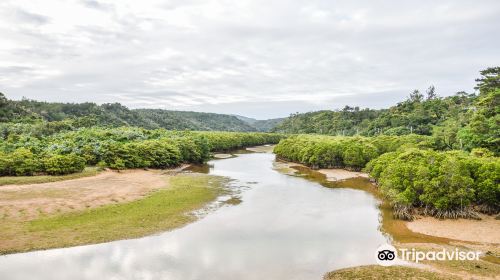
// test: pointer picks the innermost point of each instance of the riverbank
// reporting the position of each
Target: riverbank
(381, 272)
(29, 201)
(429, 233)
(160, 202)
(331, 175)
(424, 233)
(486, 230)
(26, 180)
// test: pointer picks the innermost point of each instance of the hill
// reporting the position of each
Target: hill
(418, 114)
(261, 125)
(194, 120)
(115, 114)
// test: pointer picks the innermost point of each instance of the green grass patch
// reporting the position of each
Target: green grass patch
(162, 210)
(389, 272)
(473, 268)
(24, 180)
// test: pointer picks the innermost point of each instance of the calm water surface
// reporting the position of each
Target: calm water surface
(285, 228)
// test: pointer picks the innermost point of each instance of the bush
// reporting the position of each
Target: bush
(481, 152)
(18, 163)
(486, 175)
(63, 164)
(451, 187)
(443, 184)
(405, 176)
(152, 153)
(327, 151)
(356, 155)
(117, 148)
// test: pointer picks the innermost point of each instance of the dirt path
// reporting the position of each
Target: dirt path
(25, 202)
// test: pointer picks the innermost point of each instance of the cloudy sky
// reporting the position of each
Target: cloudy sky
(256, 58)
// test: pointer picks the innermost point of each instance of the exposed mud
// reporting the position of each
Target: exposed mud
(26, 202)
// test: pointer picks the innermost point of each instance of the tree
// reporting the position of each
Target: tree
(431, 93)
(416, 96)
(489, 80)
(446, 135)
(483, 129)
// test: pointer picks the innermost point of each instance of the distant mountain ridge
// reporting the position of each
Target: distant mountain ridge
(115, 114)
(261, 125)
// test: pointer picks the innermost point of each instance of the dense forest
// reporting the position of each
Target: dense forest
(459, 121)
(262, 125)
(451, 171)
(115, 115)
(418, 114)
(26, 153)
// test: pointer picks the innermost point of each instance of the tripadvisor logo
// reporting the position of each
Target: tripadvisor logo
(387, 255)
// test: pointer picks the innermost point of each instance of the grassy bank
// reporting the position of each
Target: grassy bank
(381, 272)
(449, 269)
(162, 210)
(25, 180)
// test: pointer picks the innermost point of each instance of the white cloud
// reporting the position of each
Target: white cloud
(219, 55)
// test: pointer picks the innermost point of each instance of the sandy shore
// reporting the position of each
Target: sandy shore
(486, 230)
(261, 149)
(341, 174)
(27, 202)
(332, 175)
(222, 156)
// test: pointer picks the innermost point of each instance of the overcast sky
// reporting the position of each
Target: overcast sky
(256, 58)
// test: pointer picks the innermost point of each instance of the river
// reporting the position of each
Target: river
(286, 227)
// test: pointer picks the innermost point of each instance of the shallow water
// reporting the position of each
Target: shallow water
(286, 227)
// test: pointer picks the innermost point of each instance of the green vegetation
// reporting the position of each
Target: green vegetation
(462, 121)
(414, 177)
(429, 155)
(483, 129)
(319, 151)
(64, 116)
(157, 118)
(262, 125)
(417, 114)
(441, 184)
(27, 152)
(390, 272)
(63, 164)
(24, 180)
(449, 174)
(22, 161)
(162, 210)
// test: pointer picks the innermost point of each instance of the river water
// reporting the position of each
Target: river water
(286, 227)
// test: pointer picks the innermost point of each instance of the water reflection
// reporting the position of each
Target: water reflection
(284, 228)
